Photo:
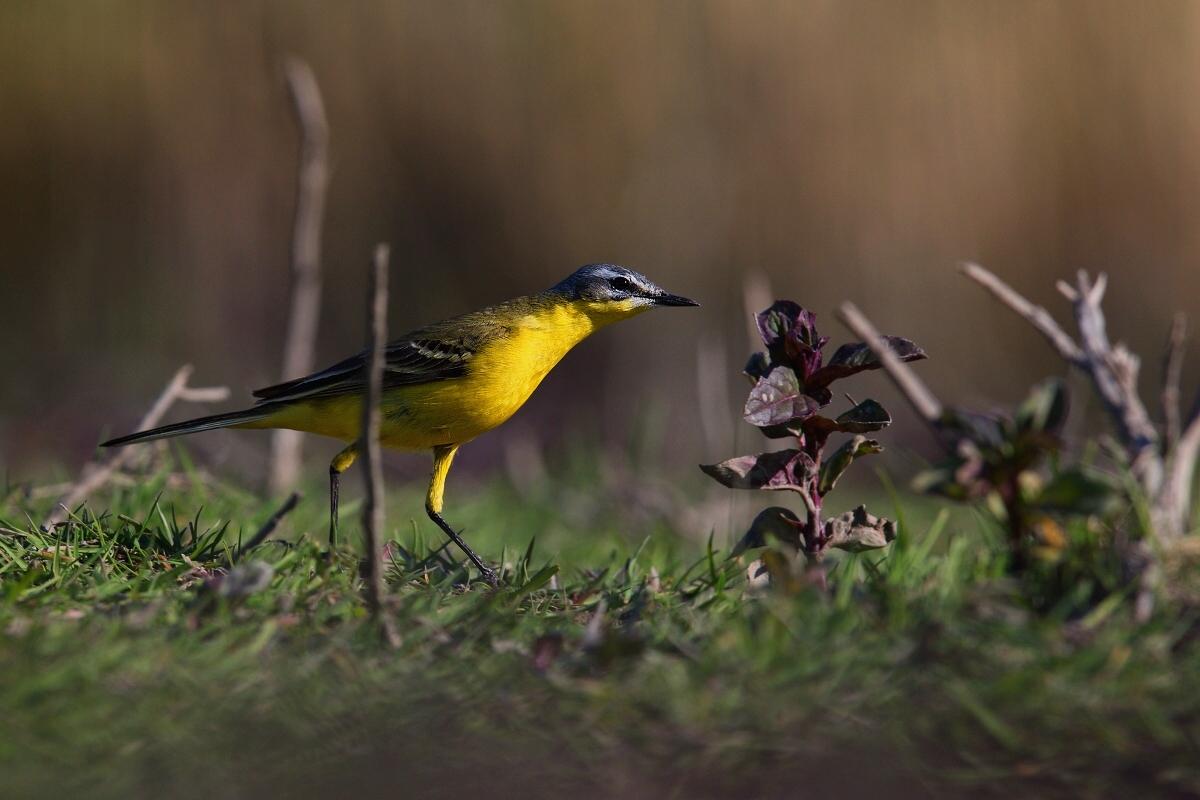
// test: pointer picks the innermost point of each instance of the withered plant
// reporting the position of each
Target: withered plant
(1160, 463)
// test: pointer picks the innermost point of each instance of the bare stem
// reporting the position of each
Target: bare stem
(1037, 316)
(301, 338)
(373, 515)
(905, 378)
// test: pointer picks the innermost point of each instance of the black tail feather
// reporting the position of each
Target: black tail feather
(194, 426)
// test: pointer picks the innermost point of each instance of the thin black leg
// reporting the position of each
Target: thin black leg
(341, 462)
(488, 574)
(334, 481)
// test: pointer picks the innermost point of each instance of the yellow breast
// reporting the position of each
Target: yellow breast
(500, 377)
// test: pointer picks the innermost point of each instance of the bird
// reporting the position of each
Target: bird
(444, 384)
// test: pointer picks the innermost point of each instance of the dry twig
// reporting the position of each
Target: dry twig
(306, 259)
(1165, 468)
(914, 389)
(1114, 372)
(373, 515)
(1037, 316)
(98, 473)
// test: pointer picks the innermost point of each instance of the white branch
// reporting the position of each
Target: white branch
(1114, 371)
(301, 340)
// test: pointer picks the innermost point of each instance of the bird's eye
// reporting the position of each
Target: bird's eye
(621, 284)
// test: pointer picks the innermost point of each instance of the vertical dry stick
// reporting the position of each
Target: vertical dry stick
(306, 259)
(373, 512)
(1114, 370)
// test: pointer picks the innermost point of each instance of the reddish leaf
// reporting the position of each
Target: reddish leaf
(865, 417)
(778, 399)
(855, 357)
(784, 469)
(790, 333)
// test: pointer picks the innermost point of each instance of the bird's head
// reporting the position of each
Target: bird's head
(608, 290)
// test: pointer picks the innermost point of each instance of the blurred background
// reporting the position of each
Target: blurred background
(840, 150)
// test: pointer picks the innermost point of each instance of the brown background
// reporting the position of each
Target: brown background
(846, 150)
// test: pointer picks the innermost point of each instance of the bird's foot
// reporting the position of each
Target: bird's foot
(489, 576)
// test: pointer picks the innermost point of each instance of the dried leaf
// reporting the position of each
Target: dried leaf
(856, 531)
(783, 469)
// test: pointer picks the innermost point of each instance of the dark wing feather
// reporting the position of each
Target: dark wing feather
(409, 361)
(435, 353)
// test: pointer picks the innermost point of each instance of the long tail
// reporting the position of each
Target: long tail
(196, 425)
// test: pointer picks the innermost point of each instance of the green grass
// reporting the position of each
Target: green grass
(923, 672)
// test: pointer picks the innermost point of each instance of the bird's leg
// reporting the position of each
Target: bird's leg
(442, 456)
(341, 462)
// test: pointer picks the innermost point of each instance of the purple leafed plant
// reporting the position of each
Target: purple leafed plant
(791, 386)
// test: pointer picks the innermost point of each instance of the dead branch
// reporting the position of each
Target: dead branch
(1112, 368)
(373, 516)
(1165, 473)
(906, 380)
(98, 473)
(1037, 316)
(301, 338)
(1114, 371)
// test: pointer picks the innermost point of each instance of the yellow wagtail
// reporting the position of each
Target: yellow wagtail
(447, 383)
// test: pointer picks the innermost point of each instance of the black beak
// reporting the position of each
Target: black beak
(673, 300)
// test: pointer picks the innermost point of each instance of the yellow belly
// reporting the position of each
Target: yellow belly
(500, 378)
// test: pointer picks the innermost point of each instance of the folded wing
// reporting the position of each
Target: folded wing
(409, 361)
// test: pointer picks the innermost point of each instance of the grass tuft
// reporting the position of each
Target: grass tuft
(141, 655)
